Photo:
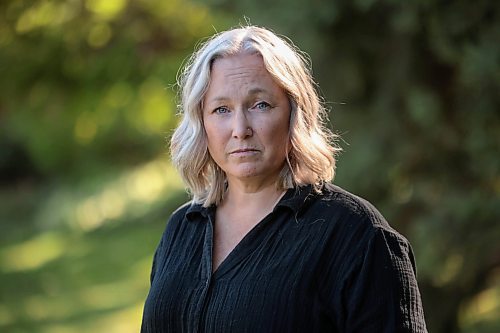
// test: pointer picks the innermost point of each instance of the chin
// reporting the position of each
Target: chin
(246, 172)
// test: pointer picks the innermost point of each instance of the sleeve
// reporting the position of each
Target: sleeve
(380, 292)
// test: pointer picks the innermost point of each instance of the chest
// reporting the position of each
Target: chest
(226, 236)
(270, 273)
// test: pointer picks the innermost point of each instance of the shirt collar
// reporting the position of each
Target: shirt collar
(198, 209)
(294, 199)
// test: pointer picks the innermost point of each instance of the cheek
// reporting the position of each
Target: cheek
(277, 133)
(210, 130)
(215, 138)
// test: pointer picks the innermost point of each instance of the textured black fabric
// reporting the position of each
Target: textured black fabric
(318, 263)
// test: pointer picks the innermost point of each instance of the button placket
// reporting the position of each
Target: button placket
(206, 274)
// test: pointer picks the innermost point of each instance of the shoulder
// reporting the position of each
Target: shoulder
(368, 268)
(178, 226)
(181, 211)
(336, 201)
(178, 216)
(351, 220)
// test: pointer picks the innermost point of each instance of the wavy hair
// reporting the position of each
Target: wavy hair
(311, 157)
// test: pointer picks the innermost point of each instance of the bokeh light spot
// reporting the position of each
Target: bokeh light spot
(32, 253)
(85, 128)
(106, 8)
(99, 35)
(155, 106)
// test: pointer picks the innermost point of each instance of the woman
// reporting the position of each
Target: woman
(267, 243)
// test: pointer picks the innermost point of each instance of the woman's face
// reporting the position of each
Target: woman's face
(246, 117)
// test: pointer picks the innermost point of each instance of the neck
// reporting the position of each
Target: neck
(249, 197)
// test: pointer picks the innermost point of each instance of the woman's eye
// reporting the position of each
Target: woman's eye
(262, 106)
(221, 110)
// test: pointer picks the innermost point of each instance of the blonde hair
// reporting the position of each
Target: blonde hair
(311, 157)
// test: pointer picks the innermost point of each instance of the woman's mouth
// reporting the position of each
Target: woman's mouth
(244, 152)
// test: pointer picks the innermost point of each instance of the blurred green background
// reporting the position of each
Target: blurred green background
(88, 101)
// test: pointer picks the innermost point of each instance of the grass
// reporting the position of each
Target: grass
(78, 258)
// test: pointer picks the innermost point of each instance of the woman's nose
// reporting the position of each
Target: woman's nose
(241, 126)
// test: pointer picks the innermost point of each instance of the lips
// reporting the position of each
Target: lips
(244, 150)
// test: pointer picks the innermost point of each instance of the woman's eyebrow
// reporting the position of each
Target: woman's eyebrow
(217, 99)
(252, 91)
(256, 91)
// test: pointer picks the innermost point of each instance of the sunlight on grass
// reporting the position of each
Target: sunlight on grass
(109, 295)
(130, 194)
(85, 264)
(124, 321)
(32, 253)
(139, 187)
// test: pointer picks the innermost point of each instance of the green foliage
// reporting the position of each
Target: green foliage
(87, 83)
(86, 101)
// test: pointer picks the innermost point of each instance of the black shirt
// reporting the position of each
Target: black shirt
(324, 262)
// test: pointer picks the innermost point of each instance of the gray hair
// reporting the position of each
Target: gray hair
(311, 157)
